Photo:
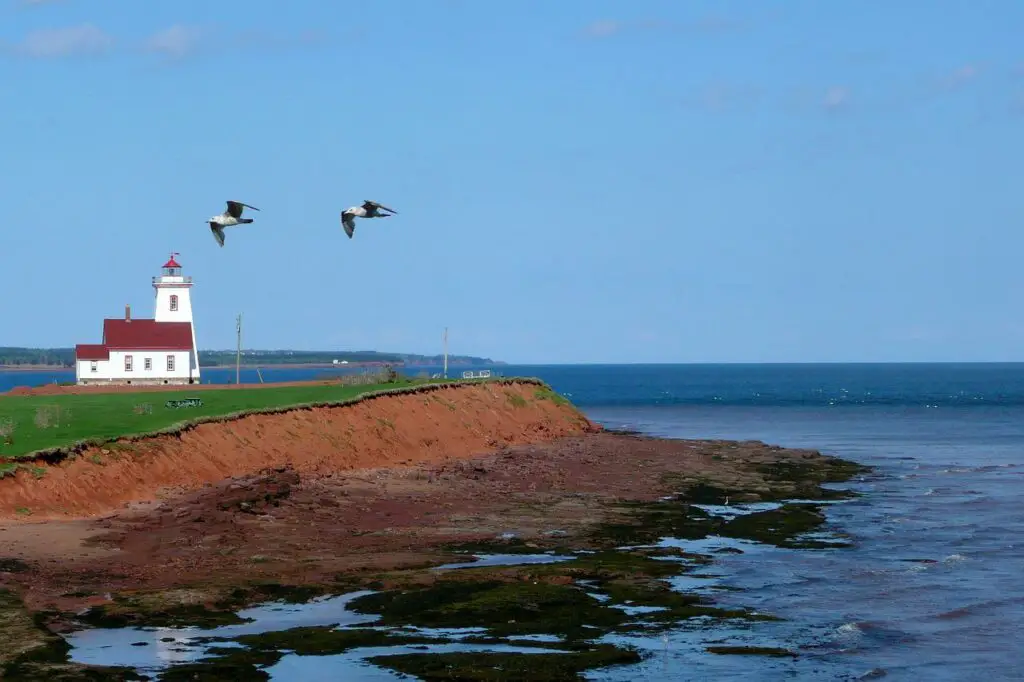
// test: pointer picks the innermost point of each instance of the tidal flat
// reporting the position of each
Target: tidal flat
(547, 562)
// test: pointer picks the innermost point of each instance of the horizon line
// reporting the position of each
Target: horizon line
(655, 364)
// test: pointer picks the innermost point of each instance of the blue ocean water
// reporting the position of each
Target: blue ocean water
(931, 588)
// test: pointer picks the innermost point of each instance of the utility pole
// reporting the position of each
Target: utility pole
(446, 352)
(238, 353)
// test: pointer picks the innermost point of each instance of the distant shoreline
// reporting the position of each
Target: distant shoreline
(303, 365)
(289, 365)
(35, 368)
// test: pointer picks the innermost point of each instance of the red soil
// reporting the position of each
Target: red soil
(305, 496)
(280, 525)
(401, 430)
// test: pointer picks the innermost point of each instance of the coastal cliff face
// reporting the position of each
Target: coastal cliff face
(388, 495)
(383, 431)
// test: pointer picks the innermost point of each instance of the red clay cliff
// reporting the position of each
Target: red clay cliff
(395, 430)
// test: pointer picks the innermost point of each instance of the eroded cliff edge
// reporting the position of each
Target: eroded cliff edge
(425, 425)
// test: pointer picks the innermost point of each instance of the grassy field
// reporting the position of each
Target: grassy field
(29, 424)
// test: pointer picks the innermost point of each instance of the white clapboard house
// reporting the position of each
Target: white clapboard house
(157, 351)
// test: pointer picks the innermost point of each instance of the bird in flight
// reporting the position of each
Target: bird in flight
(369, 209)
(229, 218)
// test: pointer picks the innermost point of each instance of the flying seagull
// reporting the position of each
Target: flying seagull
(229, 218)
(369, 209)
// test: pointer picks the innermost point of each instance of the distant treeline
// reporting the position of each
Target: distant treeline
(65, 357)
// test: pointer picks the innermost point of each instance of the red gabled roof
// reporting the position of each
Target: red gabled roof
(119, 334)
(91, 351)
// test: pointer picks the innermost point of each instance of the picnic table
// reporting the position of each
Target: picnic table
(184, 402)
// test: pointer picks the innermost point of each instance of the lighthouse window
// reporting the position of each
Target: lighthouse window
(147, 364)
(170, 363)
(127, 363)
(174, 301)
(92, 366)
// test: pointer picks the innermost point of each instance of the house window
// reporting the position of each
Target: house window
(170, 363)
(147, 364)
(174, 302)
(127, 363)
(92, 366)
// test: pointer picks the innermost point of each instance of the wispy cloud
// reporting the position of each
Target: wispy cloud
(279, 41)
(836, 98)
(724, 98)
(842, 98)
(71, 41)
(960, 77)
(606, 28)
(176, 41)
(1017, 104)
(603, 28)
(928, 88)
(182, 40)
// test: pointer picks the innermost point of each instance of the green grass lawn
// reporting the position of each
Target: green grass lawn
(47, 422)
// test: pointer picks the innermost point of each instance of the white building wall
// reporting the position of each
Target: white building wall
(84, 371)
(114, 369)
(172, 286)
(167, 287)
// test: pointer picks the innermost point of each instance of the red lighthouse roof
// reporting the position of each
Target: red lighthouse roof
(172, 263)
(137, 335)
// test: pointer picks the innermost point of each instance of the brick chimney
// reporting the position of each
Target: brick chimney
(127, 312)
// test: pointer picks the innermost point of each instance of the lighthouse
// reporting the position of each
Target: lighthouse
(174, 302)
(161, 350)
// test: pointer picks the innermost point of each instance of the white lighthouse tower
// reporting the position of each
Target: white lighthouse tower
(174, 304)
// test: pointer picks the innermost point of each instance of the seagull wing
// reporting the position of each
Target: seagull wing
(218, 233)
(235, 208)
(373, 204)
(348, 223)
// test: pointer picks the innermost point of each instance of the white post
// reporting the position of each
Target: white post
(238, 353)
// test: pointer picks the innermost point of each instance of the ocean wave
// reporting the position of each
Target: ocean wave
(862, 631)
(978, 607)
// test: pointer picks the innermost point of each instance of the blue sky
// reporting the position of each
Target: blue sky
(577, 181)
